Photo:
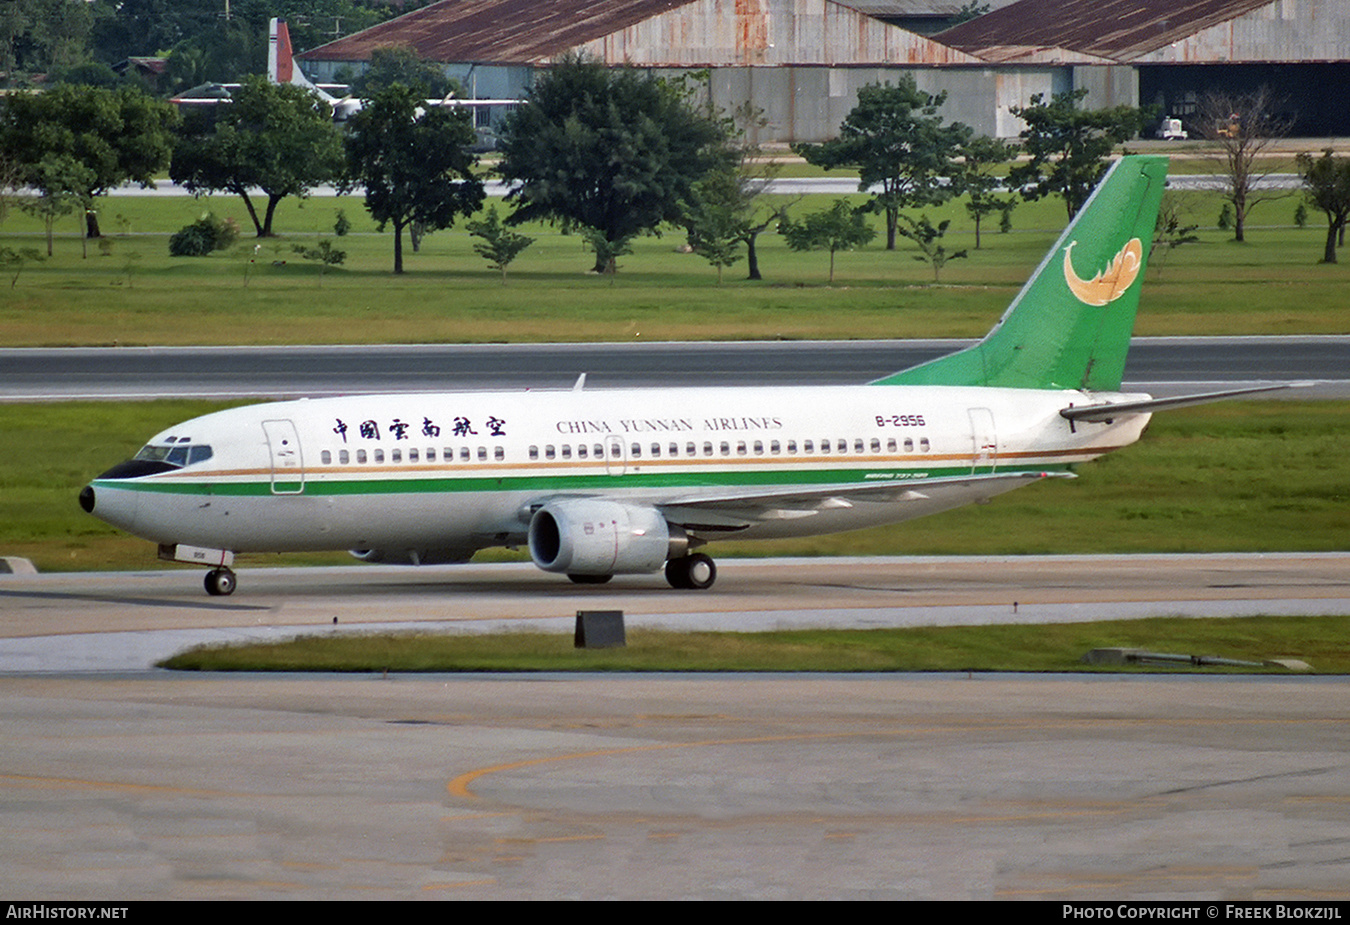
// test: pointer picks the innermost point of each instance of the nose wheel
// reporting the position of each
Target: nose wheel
(691, 573)
(220, 582)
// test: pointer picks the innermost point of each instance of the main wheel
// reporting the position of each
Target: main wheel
(219, 582)
(693, 573)
(589, 579)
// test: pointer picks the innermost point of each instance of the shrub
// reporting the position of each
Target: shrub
(203, 236)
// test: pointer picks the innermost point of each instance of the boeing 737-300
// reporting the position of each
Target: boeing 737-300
(599, 483)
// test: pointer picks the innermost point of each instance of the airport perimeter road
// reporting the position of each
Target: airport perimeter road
(1163, 365)
(661, 787)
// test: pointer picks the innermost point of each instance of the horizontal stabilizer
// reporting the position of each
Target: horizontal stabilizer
(1107, 412)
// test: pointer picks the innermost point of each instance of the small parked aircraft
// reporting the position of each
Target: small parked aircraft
(599, 483)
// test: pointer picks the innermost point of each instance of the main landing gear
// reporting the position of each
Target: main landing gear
(695, 572)
(220, 582)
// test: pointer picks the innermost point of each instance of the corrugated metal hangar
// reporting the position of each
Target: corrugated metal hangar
(802, 61)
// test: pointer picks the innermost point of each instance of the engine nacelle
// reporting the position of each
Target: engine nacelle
(414, 556)
(587, 536)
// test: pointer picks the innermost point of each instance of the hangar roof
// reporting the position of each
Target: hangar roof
(649, 33)
(502, 31)
(1118, 30)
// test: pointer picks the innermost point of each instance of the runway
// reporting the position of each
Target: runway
(1159, 365)
(117, 783)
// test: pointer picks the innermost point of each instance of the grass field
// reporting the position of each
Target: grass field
(1237, 476)
(1319, 641)
(263, 293)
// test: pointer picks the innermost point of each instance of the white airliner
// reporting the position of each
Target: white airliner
(281, 69)
(601, 483)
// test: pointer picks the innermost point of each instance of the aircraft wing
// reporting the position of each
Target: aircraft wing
(738, 508)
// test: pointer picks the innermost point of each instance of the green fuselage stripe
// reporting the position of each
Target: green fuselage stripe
(317, 484)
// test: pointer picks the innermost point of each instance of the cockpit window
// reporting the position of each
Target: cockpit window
(184, 454)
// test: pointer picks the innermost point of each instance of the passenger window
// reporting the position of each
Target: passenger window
(431, 454)
(464, 454)
(482, 453)
(326, 457)
(691, 449)
(674, 449)
(824, 446)
(635, 450)
(550, 452)
(726, 448)
(396, 456)
(909, 444)
(923, 445)
(379, 456)
(858, 445)
(343, 458)
(656, 451)
(740, 447)
(707, 449)
(499, 453)
(581, 451)
(412, 455)
(890, 445)
(808, 447)
(361, 456)
(774, 448)
(567, 451)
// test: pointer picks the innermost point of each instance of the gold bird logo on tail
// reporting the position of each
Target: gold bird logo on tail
(1111, 283)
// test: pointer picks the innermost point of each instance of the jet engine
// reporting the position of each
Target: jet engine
(588, 536)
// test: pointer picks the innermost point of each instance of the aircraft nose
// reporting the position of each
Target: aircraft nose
(87, 499)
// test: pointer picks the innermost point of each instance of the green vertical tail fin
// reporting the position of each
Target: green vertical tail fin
(1070, 326)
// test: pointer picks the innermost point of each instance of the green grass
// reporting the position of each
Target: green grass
(1320, 641)
(1231, 477)
(137, 294)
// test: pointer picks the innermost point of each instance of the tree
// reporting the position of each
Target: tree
(499, 246)
(1170, 233)
(929, 239)
(119, 135)
(980, 185)
(59, 180)
(839, 228)
(38, 36)
(324, 254)
(401, 65)
(1244, 126)
(278, 138)
(728, 208)
(1069, 146)
(610, 149)
(1326, 183)
(896, 140)
(413, 164)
